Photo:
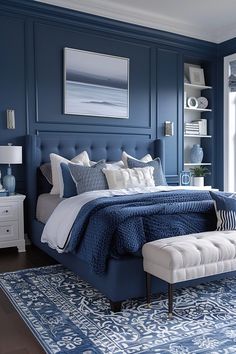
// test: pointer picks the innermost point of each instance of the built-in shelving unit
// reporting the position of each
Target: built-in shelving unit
(197, 136)
(194, 115)
(197, 164)
(199, 87)
(198, 109)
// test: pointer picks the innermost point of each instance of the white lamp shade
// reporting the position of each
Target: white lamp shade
(10, 154)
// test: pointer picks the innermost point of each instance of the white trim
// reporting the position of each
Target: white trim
(226, 142)
(146, 18)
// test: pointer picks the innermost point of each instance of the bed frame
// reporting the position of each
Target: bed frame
(125, 277)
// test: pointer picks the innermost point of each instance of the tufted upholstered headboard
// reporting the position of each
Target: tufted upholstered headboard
(98, 146)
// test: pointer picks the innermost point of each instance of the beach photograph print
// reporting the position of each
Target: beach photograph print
(95, 84)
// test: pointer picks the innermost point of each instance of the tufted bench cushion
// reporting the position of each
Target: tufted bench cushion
(183, 258)
(192, 256)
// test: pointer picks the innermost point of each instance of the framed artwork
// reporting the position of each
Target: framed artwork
(95, 84)
(196, 75)
(185, 178)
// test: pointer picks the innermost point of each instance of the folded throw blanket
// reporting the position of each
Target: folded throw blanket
(121, 225)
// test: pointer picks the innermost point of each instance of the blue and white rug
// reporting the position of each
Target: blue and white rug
(68, 316)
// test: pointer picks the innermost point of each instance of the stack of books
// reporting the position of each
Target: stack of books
(196, 127)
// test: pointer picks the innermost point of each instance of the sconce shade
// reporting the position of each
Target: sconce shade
(10, 154)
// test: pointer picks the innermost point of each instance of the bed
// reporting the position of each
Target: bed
(124, 277)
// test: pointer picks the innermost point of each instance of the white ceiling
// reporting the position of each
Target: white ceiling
(212, 20)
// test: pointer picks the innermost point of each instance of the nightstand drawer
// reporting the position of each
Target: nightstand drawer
(8, 231)
(8, 212)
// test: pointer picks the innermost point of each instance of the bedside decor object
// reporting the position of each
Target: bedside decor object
(185, 178)
(202, 102)
(3, 191)
(198, 174)
(10, 154)
(192, 102)
(196, 75)
(196, 154)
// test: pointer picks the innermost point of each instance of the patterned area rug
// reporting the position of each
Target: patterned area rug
(68, 316)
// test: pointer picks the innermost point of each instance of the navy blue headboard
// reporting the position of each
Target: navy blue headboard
(98, 146)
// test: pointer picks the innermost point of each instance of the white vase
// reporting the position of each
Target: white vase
(198, 181)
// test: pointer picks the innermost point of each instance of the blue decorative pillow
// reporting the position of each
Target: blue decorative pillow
(225, 205)
(158, 174)
(88, 178)
(69, 189)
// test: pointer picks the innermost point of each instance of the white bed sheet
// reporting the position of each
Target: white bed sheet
(57, 229)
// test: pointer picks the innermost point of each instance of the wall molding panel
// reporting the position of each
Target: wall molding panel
(41, 31)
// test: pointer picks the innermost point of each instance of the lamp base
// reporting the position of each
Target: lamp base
(9, 182)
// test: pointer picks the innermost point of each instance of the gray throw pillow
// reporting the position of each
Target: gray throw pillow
(158, 174)
(88, 178)
(46, 170)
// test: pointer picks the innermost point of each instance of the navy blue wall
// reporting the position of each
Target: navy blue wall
(32, 39)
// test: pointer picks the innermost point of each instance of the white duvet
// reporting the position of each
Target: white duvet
(56, 232)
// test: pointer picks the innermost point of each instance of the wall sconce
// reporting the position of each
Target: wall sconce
(168, 128)
(11, 119)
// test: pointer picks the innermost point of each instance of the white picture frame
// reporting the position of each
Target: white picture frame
(95, 84)
(196, 76)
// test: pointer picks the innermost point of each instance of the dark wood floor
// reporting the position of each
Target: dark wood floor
(15, 337)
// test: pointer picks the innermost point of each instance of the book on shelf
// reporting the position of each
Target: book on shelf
(196, 127)
(202, 126)
(191, 128)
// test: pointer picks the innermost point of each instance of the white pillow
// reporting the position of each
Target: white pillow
(129, 177)
(115, 165)
(56, 160)
(125, 156)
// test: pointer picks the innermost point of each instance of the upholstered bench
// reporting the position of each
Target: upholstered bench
(183, 258)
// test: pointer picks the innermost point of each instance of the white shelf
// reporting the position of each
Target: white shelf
(197, 136)
(200, 87)
(197, 164)
(198, 109)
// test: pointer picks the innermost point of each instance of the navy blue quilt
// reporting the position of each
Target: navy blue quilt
(121, 225)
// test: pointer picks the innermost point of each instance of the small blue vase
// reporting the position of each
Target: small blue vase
(196, 154)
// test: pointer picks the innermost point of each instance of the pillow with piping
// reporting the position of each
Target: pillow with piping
(56, 160)
(129, 177)
(88, 178)
(125, 156)
(158, 174)
(225, 206)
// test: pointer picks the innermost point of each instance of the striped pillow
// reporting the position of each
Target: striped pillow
(225, 205)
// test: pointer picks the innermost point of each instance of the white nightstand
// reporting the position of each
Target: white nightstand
(12, 222)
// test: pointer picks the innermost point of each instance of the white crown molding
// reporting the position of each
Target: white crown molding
(226, 33)
(137, 16)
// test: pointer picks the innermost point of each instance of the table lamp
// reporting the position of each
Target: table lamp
(10, 154)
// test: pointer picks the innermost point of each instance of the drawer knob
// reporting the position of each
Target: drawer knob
(7, 230)
(6, 211)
